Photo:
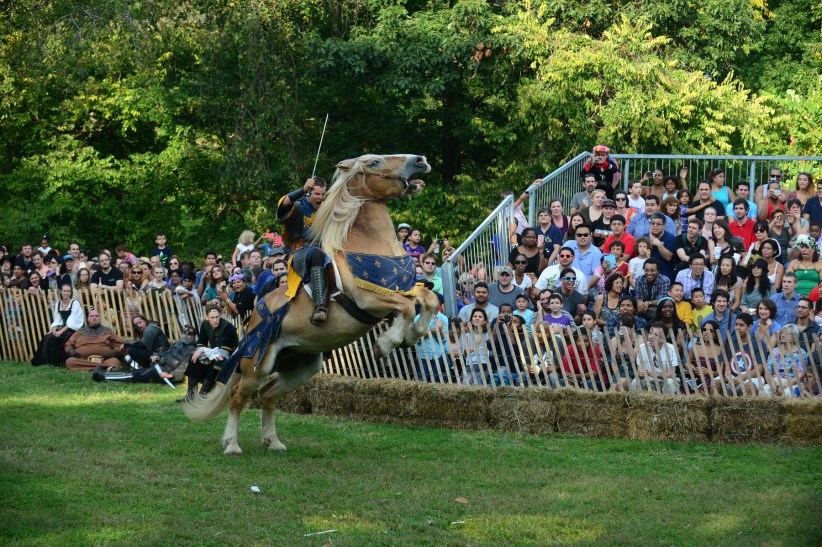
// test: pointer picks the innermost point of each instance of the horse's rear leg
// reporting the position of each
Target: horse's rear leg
(238, 401)
(275, 388)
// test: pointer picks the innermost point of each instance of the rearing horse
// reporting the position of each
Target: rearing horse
(352, 227)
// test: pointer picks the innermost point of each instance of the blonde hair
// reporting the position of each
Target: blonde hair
(246, 238)
(335, 218)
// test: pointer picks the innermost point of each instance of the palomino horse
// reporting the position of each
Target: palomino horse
(353, 227)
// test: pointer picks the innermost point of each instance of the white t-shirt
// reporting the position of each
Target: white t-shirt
(549, 279)
(635, 266)
(638, 204)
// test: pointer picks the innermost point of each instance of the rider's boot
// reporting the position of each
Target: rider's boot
(321, 294)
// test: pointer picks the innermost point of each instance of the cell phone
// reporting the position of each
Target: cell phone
(649, 174)
(540, 241)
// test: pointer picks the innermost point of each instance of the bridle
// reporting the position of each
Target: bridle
(406, 185)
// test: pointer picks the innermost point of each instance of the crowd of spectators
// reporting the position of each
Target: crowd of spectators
(647, 287)
(637, 284)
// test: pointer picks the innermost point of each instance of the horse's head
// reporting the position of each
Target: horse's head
(382, 177)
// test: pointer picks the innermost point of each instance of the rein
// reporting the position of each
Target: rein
(406, 184)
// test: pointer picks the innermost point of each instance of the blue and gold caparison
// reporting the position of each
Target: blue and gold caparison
(383, 274)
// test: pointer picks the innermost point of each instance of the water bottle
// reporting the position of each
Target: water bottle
(437, 245)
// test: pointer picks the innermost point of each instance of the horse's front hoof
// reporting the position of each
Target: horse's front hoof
(275, 445)
(232, 450)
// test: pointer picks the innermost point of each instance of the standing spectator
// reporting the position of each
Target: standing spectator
(604, 168)
(161, 250)
(805, 188)
(719, 189)
(662, 245)
(706, 200)
(413, 247)
(503, 291)
(24, 258)
(583, 199)
(773, 202)
(548, 235)
(158, 282)
(594, 212)
(743, 192)
(530, 249)
(634, 197)
(244, 244)
(429, 271)
(742, 226)
(107, 277)
(558, 218)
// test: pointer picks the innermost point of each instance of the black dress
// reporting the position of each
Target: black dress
(51, 349)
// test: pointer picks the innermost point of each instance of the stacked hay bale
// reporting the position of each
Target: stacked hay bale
(656, 417)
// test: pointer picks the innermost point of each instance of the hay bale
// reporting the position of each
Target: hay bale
(331, 395)
(451, 406)
(746, 419)
(384, 401)
(589, 414)
(653, 417)
(523, 410)
(802, 421)
(298, 401)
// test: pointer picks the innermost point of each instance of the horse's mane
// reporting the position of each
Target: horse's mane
(336, 216)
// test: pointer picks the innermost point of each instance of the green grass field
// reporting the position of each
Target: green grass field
(86, 463)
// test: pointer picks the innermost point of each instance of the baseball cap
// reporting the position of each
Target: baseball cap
(506, 269)
(609, 203)
(68, 257)
(276, 251)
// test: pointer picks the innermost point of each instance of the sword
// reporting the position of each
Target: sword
(314, 171)
(160, 372)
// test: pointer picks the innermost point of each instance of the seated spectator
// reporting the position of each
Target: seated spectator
(574, 303)
(606, 305)
(38, 264)
(216, 342)
(68, 318)
(535, 255)
(765, 326)
(650, 288)
(241, 300)
(618, 234)
(623, 353)
(587, 257)
(523, 309)
(640, 224)
(670, 208)
(705, 200)
(480, 302)
(34, 284)
(757, 287)
(549, 278)
(124, 254)
(575, 220)
(582, 362)
(724, 243)
(166, 366)
(153, 341)
(555, 317)
(474, 348)
(683, 308)
(705, 361)
(662, 245)
(675, 328)
(746, 359)
(637, 264)
(634, 197)
(772, 202)
(582, 199)
(696, 276)
(94, 345)
(185, 290)
(787, 363)
(807, 267)
(808, 330)
(558, 217)
(721, 313)
(83, 282)
(656, 363)
(743, 192)
(175, 279)
(522, 279)
(403, 231)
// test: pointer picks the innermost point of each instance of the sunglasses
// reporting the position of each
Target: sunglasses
(136, 272)
(566, 256)
(520, 262)
(569, 278)
(504, 273)
(583, 235)
(620, 199)
(760, 230)
(428, 262)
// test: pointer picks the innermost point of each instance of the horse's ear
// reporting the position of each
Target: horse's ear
(345, 165)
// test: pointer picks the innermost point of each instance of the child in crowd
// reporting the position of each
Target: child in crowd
(523, 310)
(161, 249)
(124, 254)
(699, 309)
(683, 308)
(244, 243)
(635, 198)
(44, 247)
(684, 199)
(643, 251)
(413, 247)
(558, 320)
(589, 321)
(620, 266)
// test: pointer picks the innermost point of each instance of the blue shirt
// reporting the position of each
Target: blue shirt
(785, 308)
(666, 267)
(588, 261)
(752, 211)
(640, 225)
(813, 208)
(723, 324)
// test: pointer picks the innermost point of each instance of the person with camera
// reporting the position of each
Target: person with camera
(772, 202)
(604, 168)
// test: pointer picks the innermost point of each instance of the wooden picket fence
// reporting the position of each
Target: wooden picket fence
(515, 358)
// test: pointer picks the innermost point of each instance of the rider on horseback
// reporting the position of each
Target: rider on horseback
(296, 211)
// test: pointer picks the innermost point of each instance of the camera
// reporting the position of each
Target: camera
(505, 319)
(439, 241)
(649, 174)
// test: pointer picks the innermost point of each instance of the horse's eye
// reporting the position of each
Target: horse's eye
(375, 163)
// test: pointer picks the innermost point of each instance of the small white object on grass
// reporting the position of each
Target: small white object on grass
(255, 489)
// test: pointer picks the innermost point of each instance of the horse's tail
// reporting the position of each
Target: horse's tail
(205, 408)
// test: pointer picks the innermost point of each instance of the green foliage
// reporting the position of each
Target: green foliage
(118, 119)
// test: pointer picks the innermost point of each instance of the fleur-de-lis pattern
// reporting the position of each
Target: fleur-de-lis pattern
(395, 273)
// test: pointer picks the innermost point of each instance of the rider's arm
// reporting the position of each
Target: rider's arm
(292, 197)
